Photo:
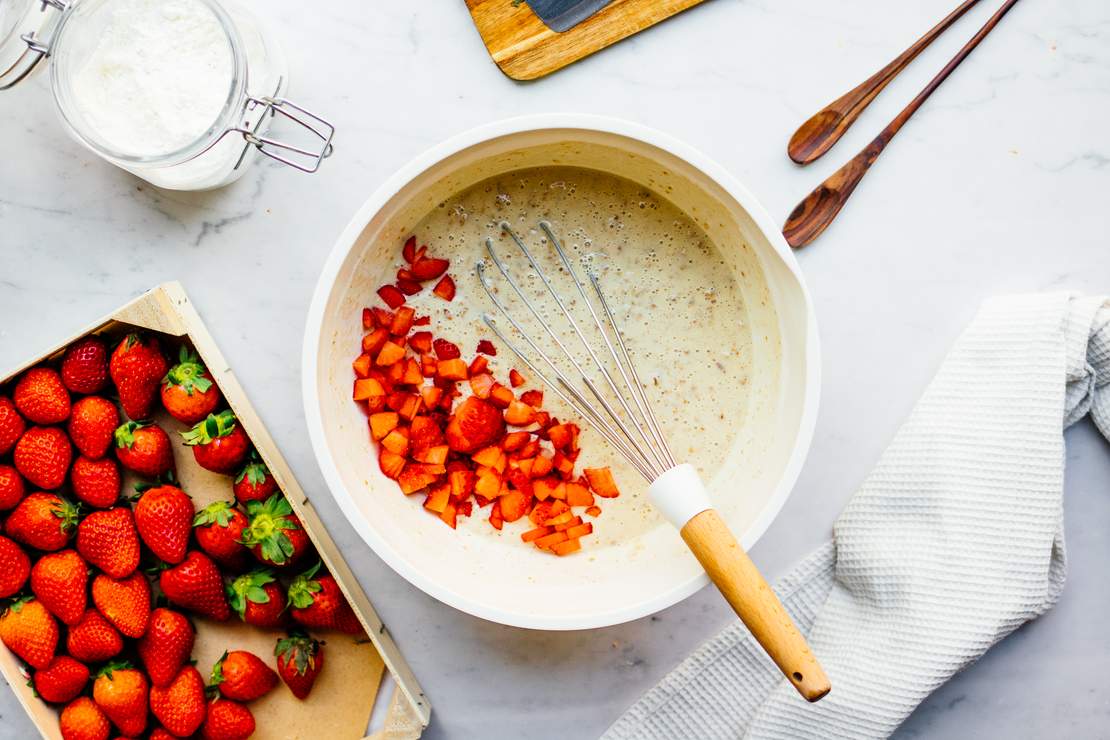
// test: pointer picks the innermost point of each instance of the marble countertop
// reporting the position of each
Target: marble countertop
(998, 185)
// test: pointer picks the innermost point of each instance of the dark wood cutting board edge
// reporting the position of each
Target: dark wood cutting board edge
(525, 49)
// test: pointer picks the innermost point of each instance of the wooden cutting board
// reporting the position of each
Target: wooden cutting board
(525, 49)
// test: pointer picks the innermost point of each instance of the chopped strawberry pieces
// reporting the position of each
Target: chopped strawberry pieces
(392, 295)
(449, 442)
(445, 288)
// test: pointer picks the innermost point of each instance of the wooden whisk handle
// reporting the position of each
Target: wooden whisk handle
(753, 600)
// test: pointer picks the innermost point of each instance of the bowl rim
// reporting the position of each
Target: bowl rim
(402, 177)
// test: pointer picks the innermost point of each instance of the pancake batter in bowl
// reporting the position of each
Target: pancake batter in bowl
(681, 309)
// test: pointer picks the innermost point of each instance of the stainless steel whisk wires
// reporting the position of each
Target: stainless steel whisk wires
(635, 433)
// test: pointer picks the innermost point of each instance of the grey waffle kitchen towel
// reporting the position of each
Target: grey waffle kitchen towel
(954, 541)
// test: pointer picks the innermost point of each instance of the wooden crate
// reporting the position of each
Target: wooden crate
(356, 667)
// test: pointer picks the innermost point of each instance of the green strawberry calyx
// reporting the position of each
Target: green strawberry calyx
(16, 604)
(67, 512)
(125, 433)
(217, 676)
(112, 667)
(302, 588)
(188, 373)
(269, 520)
(254, 472)
(249, 588)
(218, 513)
(214, 427)
(299, 650)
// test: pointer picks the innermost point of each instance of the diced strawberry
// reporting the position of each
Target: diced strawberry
(373, 341)
(389, 354)
(519, 414)
(488, 484)
(579, 495)
(391, 463)
(500, 396)
(514, 505)
(545, 510)
(495, 518)
(513, 440)
(520, 481)
(531, 449)
(516, 379)
(464, 508)
(368, 322)
(563, 464)
(533, 398)
(429, 268)
(422, 321)
(446, 350)
(542, 466)
(544, 488)
(594, 511)
(391, 295)
(488, 456)
(408, 287)
(525, 465)
(367, 388)
(409, 250)
(543, 419)
(548, 540)
(421, 342)
(535, 534)
(434, 455)
(411, 407)
(412, 374)
(579, 530)
(479, 365)
(431, 395)
(415, 478)
(565, 522)
(602, 483)
(475, 424)
(486, 347)
(566, 547)
(438, 498)
(383, 423)
(480, 384)
(361, 365)
(397, 441)
(405, 274)
(382, 317)
(462, 483)
(445, 288)
(452, 369)
(402, 321)
(449, 514)
(428, 365)
(425, 433)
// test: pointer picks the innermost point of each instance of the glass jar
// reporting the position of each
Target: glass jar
(246, 70)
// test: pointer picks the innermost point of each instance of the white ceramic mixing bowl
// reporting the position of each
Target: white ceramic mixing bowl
(494, 575)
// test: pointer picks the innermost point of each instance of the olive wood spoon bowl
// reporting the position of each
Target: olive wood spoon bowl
(814, 214)
(818, 135)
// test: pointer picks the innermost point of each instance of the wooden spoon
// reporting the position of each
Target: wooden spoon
(818, 135)
(814, 214)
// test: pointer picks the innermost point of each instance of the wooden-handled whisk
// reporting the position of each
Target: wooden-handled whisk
(631, 427)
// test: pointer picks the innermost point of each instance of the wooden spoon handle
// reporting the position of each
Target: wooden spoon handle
(754, 602)
(818, 135)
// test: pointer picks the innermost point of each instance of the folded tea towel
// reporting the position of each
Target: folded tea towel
(953, 542)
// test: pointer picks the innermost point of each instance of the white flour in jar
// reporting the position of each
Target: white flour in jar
(158, 77)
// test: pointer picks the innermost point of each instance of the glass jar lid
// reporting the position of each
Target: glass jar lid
(26, 29)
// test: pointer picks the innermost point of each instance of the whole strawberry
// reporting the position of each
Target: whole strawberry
(180, 706)
(317, 602)
(196, 585)
(125, 603)
(108, 540)
(219, 529)
(62, 680)
(144, 449)
(43, 521)
(12, 425)
(59, 580)
(275, 534)
(137, 368)
(166, 646)
(254, 483)
(159, 733)
(188, 393)
(258, 599)
(219, 443)
(85, 366)
(42, 456)
(91, 426)
(164, 517)
(299, 659)
(121, 692)
(227, 720)
(15, 568)
(95, 482)
(11, 487)
(82, 720)
(93, 639)
(29, 631)
(242, 676)
(41, 397)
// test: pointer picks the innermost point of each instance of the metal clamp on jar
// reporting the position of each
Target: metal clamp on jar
(181, 93)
